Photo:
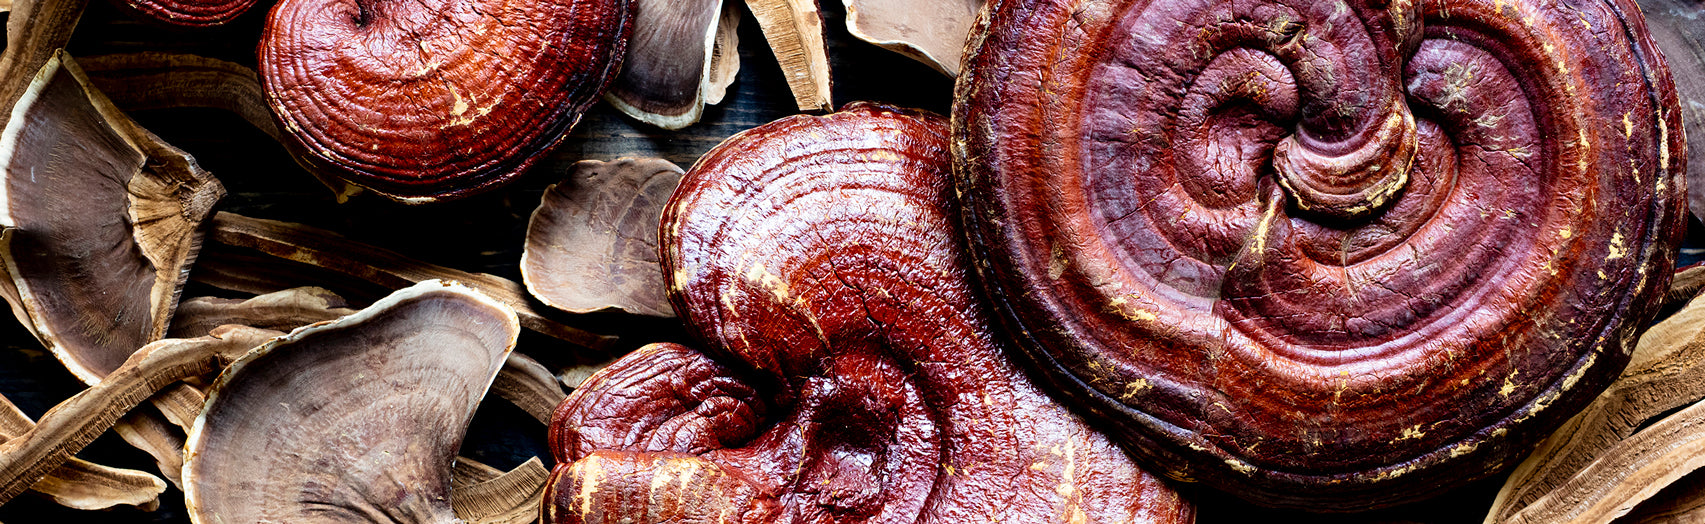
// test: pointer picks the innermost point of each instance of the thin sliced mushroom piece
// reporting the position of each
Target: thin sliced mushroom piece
(467, 472)
(154, 80)
(79, 484)
(527, 384)
(281, 311)
(358, 418)
(592, 242)
(65, 429)
(665, 78)
(513, 497)
(330, 251)
(724, 55)
(35, 31)
(1667, 372)
(794, 29)
(929, 31)
(1626, 474)
(146, 429)
(1685, 287)
(102, 222)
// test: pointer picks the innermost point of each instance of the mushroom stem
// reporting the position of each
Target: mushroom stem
(794, 30)
(79, 484)
(72, 424)
(527, 384)
(329, 251)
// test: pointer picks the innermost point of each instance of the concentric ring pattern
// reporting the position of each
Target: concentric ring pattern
(433, 99)
(1348, 251)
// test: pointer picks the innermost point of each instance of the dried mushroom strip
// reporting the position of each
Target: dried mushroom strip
(512, 497)
(1326, 255)
(818, 258)
(331, 252)
(794, 29)
(279, 311)
(592, 242)
(671, 69)
(101, 218)
(151, 80)
(929, 31)
(1680, 35)
(1667, 373)
(434, 100)
(65, 429)
(355, 419)
(79, 484)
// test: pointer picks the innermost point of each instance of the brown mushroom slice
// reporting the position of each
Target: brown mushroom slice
(724, 55)
(148, 430)
(1678, 31)
(666, 75)
(429, 101)
(102, 221)
(35, 31)
(358, 418)
(328, 252)
(794, 29)
(154, 80)
(279, 311)
(80, 484)
(592, 242)
(929, 31)
(1667, 372)
(530, 386)
(65, 429)
(190, 13)
(511, 497)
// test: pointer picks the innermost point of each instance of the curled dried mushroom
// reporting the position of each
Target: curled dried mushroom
(592, 242)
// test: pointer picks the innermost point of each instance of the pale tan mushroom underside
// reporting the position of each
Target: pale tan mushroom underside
(931, 31)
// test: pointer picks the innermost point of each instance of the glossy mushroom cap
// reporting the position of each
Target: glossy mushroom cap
(1327, 255)
(191, 13)
(853, 375)
(357, 419)
(425, 101)
(102, 221)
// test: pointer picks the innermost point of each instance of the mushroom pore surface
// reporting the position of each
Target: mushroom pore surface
(438, 99)
(852, 375)
(1330, 255)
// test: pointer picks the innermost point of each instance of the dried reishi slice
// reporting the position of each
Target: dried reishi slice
(1323, 255)
(672, 69)
(929, 31)
(1680, 35)
(423, 101)
(819, 254)
(355, 419)
(592, 242)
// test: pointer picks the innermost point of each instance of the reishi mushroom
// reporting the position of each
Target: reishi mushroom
(592, 242)
(852, 375)
(1680, 36)
(929, 31)
(358, 418)
(682, 56)
(1326, 255)
(428, 101)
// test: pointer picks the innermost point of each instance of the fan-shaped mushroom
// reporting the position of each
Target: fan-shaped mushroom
(356, 418)
(423, 101)
(102, 221)
(819, 256)
(592, 242)
(1330, 255)
(682, 56)
(930, 31)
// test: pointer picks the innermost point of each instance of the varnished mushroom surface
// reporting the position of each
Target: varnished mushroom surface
(852, 375)
(1331, 255)
(424, 101)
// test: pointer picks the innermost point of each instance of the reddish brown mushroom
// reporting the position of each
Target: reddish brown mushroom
(190, 13)
(859, 378)
(1329, 255)
(424, 101)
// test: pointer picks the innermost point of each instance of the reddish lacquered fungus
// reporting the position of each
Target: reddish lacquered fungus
(855, 376)
(423, 101)
(1332, 255)
(191, 13)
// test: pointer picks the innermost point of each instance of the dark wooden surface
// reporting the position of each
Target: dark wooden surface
(484, 233)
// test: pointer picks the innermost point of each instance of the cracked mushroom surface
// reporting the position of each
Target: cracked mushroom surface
(437, 99)
(1328, 255)
(101, 218)
(851, 375)
(357, 419)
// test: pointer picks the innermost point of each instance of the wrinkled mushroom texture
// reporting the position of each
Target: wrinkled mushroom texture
(668, 64)
(592, 242)
(1329, 255)
(929, 31)
(353, 420)
(438, 99)
(856, 378)
(191, 13)
(102, 220)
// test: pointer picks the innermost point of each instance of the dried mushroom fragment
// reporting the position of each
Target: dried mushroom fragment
(102, 222)
(512, 497)
(150, 80)
(1325, 255)
(425, 101)
(930, 31)
(592, 243)
(278, 311)
(358, 419)
(794, 29)
(666, 78)
(819, 258)
(1680, 34)
(84, 485)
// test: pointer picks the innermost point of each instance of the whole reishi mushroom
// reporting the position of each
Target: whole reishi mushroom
(435, 100)
(1329, 255)
(852, 376)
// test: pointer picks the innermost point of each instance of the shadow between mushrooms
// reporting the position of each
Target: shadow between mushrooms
(357, 419)
(101, 218)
